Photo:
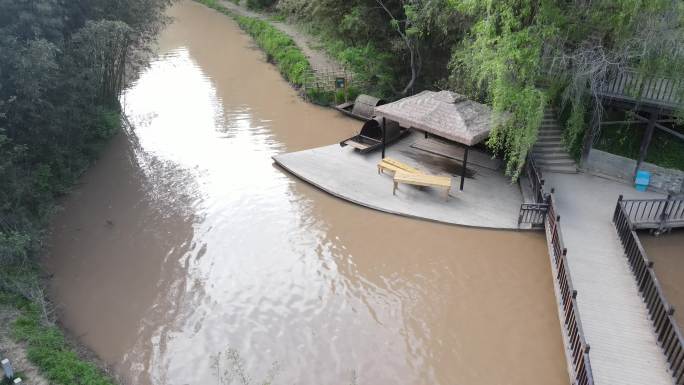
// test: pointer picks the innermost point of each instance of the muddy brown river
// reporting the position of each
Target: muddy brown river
(667, 253)
(185, 241)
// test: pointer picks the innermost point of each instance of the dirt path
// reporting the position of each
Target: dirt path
(319, 60)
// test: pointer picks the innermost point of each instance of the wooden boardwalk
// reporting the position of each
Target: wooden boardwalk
(624, 349)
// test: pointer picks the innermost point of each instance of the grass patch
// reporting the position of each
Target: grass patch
(280, 49)
(371, 67)
(47, 347)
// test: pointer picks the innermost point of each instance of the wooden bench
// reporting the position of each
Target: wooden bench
(394, 165)
(420, 179)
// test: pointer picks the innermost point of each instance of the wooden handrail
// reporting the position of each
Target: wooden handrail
(573, 325)
(661, 312)
(658, 213)
(634, 85)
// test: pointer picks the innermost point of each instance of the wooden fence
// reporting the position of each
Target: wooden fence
(573, 325)
(534, 213)
(325, 80)
(546, 206)
(659, 214)
(633, 85)
(660, 311)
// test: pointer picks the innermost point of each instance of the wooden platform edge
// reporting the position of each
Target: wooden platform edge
(282, 165)
(559, 307)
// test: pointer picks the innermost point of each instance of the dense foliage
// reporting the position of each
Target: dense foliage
(63, 65)
(517, 55)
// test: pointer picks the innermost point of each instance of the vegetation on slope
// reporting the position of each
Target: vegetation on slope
(516, 55)
(62, 67)
(48, 349)
(279, 47)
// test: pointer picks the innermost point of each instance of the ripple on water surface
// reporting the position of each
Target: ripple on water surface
(213, 247)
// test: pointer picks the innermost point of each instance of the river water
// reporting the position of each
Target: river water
(185, 246)
(667, 253)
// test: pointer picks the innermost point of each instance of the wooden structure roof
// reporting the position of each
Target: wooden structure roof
(445, 114)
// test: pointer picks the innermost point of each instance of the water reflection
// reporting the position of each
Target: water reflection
(231, 252)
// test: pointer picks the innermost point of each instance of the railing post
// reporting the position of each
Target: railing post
(664, 215)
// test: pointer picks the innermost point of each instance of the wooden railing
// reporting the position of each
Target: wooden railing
(660, 311)
(573, 325)
(655, 213)
(633, 85)
(533, 214)
(577, 345)
(536, 180)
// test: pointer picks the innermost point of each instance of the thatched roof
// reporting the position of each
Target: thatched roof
(444, 113)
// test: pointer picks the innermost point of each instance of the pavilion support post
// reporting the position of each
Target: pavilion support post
(646, 141)
(465, 164)
(384, 136)
(589, 136)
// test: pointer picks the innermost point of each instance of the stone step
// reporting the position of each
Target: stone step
(547, 149)
(556, 162)
(548, 142)
(549, 135)
(553, 156)
(559, 170)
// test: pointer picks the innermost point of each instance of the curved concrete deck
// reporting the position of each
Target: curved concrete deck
(489, 199)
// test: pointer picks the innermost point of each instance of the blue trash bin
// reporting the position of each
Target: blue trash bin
(643, 178)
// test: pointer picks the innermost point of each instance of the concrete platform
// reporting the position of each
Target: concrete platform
(489, 199)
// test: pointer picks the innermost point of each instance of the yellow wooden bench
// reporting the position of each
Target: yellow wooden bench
(420, 179)
(394, 165)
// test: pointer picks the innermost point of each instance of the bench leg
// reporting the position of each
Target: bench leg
(446, 195)
(394, 190)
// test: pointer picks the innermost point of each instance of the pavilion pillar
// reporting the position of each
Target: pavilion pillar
(384, 136)
(465, 164)
(589, 136)
(646, 140)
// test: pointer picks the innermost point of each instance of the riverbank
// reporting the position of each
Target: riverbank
(39, 351)
(307, 61)
(31, 338)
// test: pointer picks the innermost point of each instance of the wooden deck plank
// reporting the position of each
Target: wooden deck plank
(624, 347)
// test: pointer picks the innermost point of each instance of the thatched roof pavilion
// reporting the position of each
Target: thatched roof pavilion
(445, 114)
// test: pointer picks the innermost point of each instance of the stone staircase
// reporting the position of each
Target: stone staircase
(549, 154)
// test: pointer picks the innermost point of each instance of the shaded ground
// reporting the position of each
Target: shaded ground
(16, 352)
(319, 60)
(667, 253)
